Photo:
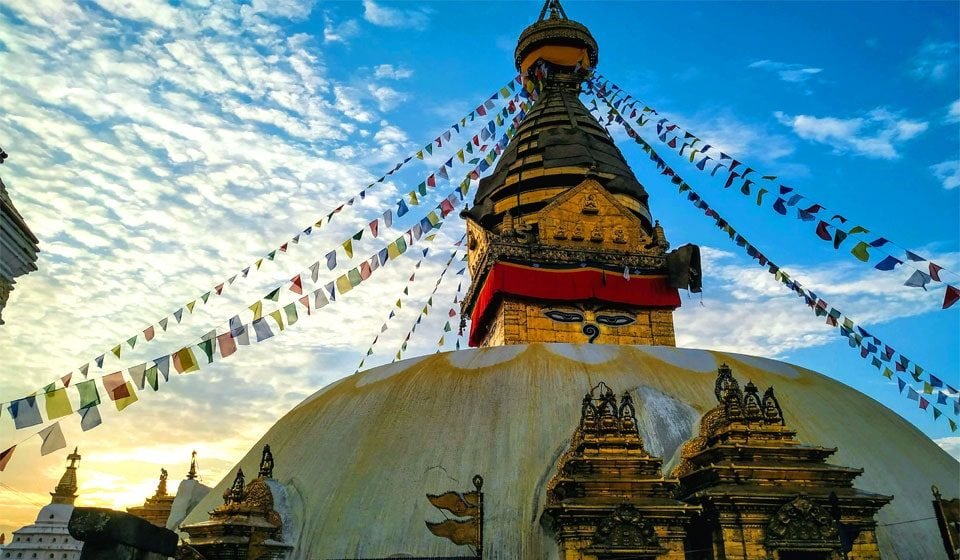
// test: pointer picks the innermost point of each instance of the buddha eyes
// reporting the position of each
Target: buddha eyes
(575, 317)
(565, 316)
(615, 320)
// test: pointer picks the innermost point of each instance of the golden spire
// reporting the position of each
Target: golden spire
(192, 473)
(162, 485)
(66, 490)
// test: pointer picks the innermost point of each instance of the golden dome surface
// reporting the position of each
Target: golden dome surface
(358, 457)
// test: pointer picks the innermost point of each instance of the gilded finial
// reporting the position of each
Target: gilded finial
(192, 473)
(266, 463)
(234, 494)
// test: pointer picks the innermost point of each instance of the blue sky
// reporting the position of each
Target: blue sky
(158, 148)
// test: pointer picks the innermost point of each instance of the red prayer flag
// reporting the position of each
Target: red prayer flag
(116, 386)
(148, 333)
(5, 457)
(219, 289)
(283, 248)
(66, 379)
(935, 271)
(305, 300)
(822, 232)
(296, 284)
(375, 227)
(950, 296)
(365, 270)
(452, 312)
(924, 403)
(227, 344)
(431, 181)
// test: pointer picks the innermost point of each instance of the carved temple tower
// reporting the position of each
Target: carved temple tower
(562, 246)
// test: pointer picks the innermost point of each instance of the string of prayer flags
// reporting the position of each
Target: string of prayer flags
(669, 133)
(858, 337)
(425, 310)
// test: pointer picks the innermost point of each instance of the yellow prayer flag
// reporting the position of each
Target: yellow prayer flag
(392, 250)
(191, 305)
(348, 247)
(257, 309)
(116, 350)
(185, 361)
(259, 262)
(58, 404)
(413, 198)
(433, 218)
(460, 155)
(124, 402)
(278, 318)
(343, 284)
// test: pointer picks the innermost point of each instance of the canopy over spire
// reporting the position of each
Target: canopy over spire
(66, 490)
(556, 39)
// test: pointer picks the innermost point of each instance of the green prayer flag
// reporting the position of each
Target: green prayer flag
(401, 245)
(860, 251)
(429, 148)
(207, 347)
(447, 327)
(358, 235)
(152, 378)
(291, 312)
(760, 194)
(271, 254)
(354, 276)
(273, 296)
(858, 229)
(88, 393)
(422, 189)
(205, 297)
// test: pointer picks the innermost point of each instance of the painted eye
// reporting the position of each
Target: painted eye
(564, 316)
(615, 320)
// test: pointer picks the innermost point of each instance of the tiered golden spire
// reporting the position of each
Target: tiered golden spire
(66, 490)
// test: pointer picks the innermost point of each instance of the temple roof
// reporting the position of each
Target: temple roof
(558, 145)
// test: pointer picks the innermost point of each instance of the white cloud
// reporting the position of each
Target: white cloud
(948, 173)
(387, 97)
(395, 17)
(339, 33)
(394, 73)
(951, 445)
(877, 134)
(794, 73)
(727, 133)
(953, 112)
(935, 61)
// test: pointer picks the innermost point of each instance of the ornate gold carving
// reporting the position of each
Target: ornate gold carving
(577, 234)
(626, 528)
(590, 204)
(596, 234)
(560, 232)
(619, 236)
(802, 524)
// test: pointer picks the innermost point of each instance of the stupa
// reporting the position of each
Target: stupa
(48, 536)
(574, 284)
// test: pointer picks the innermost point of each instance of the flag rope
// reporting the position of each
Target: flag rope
(920, 278)
(855, 334)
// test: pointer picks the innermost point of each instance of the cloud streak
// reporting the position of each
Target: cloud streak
(878, 134)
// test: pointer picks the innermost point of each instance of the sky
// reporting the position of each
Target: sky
(157, 148)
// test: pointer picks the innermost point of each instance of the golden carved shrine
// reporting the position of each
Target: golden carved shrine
(156, 508)
(609, 498)
(765, 494)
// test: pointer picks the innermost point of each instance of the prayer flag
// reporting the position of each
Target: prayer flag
(115, 386)
(53, 440)
(116, 350)
(319, 299)
(860, 251)
(919, 279)
(184, 361)
(57, 404)
(402, 208)
(148, 333)
(152, 378)
(290, 310)
(278, 318)
(375, 228)
(888, 263)
(262, 329)
(950, 296)
(935, 271)
(207, 347)
(163, 366)
(191, 305)
(257, 309)
(138, 374)
(296, 285)
(227, 344)
(331, 260)
(205, 297)
(178, 315)
(273, 296)
(5, 457)
(25, 412)
(88, 394)
(131, 397)
(348, 248)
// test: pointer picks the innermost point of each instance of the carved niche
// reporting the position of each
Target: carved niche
(626, 529)
(802, 524)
